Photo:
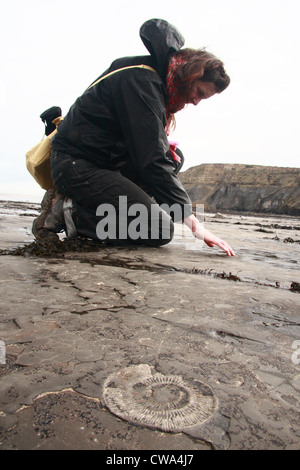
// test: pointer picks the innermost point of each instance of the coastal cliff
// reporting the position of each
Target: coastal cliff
(244, 188)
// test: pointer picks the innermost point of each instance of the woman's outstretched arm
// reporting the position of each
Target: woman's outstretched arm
(211, 240)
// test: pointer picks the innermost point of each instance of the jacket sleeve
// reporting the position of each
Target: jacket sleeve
(140, 106)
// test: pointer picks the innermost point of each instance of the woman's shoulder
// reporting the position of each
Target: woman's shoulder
(131, 61)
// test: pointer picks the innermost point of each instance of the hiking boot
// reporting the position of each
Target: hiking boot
(51, 219)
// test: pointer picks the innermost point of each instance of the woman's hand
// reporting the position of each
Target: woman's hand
(211, 240)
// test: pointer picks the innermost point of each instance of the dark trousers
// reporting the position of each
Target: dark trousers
(108, 206)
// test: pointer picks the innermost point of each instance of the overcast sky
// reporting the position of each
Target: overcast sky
(51, 51)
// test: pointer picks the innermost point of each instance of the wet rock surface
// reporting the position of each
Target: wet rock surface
(74, 316)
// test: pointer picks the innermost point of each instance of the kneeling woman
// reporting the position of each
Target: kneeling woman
(111, 155)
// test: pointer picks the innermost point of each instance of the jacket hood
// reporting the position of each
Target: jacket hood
(162, 40)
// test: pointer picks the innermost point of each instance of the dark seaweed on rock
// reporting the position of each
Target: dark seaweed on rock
(290, 240)
(55, 249)
(295, 287)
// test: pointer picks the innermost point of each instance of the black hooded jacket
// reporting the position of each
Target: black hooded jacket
(119, 123)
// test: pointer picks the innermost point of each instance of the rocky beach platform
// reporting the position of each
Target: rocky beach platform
(134, 348)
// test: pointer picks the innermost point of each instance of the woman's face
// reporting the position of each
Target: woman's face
(200, 91)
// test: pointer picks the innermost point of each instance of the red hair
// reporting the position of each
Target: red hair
(186, 66)
(198, 64)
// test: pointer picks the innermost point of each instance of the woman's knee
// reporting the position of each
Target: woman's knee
(162, 233)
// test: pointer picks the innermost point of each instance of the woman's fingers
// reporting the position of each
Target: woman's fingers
(223, 245)
(227, 248)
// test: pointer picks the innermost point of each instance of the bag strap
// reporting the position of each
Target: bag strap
(141, 66)
(57, 120)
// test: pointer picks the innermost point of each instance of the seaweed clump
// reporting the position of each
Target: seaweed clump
(295, 287)
(54, 249)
